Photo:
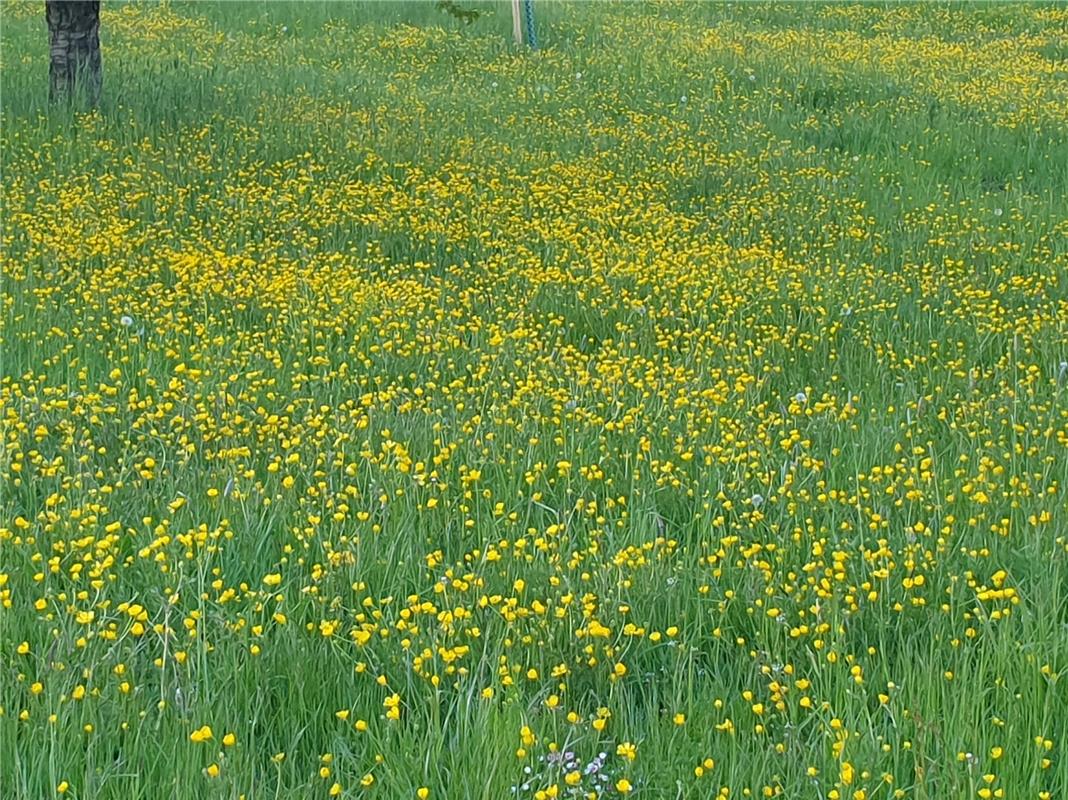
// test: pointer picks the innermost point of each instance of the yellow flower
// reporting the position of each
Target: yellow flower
(623, 786)
(202, 734)
(212, 771)
(392, 705)
(847, 773)
(229, 740)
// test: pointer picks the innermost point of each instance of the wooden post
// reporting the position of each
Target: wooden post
(517, 22)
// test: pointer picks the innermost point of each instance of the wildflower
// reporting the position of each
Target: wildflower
(846, 773)
(201, 734)
(392, 705)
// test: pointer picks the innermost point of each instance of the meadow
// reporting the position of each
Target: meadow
(679, 410)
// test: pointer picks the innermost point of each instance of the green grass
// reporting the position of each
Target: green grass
(697, 383)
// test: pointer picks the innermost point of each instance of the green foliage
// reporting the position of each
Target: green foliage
(465, 15)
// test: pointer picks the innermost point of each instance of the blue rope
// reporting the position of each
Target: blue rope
(532, 36)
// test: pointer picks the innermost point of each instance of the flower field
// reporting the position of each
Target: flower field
(679, 410)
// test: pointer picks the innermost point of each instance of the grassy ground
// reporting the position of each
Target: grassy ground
(676, 411)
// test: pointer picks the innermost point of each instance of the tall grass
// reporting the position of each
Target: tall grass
(676, 411)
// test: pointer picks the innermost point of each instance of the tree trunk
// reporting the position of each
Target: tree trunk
(74, 29)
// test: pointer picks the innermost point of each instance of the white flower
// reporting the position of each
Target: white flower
(757, 500)
(682, 99)
(998, 212)
(126, 320)
(801, 397)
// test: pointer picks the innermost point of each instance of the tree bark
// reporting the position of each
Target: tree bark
(74, 30)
